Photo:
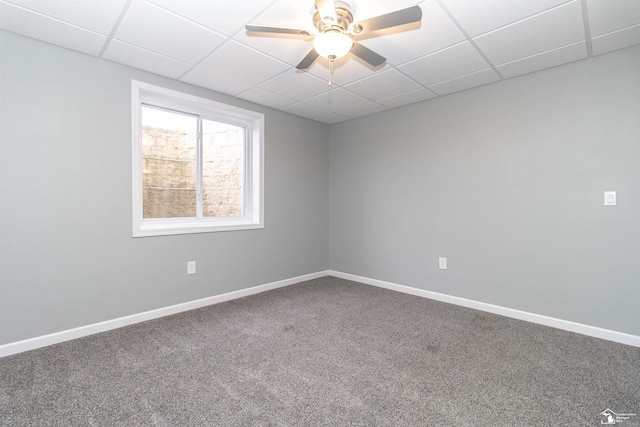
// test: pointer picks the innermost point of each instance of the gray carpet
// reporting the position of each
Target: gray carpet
(327, 352)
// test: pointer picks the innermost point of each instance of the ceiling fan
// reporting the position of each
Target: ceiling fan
(336, 31)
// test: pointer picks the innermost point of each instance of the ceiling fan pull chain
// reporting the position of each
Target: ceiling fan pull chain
(331, 58)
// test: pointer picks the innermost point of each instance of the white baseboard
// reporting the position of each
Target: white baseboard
(62, 336)
(566, 325)
(83, 331)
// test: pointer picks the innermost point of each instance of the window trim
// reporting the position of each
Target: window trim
(253, 187)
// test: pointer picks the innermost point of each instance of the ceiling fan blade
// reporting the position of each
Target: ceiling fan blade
(277, 30)
(327, 11)
(393, 19)
(367, 55)
(308, 60)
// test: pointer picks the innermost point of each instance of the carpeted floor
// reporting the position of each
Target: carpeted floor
(327, 352)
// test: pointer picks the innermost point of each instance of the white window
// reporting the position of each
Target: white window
(197, 164)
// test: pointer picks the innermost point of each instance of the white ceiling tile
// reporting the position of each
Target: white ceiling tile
(447, 64)
(241, 63)
(557, 27)
(224, 16)
(478, 17)
(345, 70)
(606, 16)
(305, 110)
(288, 49)
(476, 79)
(155, 29)
(365, 9)
(37, 26)
(332, 118)
(294, 14)
(424, 60)
(363, 110)
(435, 32)
(264, 97)
(616, 40)
(336, 100)
(408, 98)
(206, 79)
(383, 85)
(145, 60)
(94, 15)
(552, 58)
(297, 85)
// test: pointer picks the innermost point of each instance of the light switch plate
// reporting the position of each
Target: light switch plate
(191, 267)
(609, 198)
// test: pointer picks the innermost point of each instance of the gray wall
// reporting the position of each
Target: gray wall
(67, 258)
(507, 182)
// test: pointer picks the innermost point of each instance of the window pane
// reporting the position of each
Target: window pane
(222, 169)
(168, 164)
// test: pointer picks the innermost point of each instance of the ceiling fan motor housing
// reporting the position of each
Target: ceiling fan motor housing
(344, 18)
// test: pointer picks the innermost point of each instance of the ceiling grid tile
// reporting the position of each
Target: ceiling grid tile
(457, 45)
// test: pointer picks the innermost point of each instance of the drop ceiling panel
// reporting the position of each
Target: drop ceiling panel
(436, 32)
(606, 16)
(295, 84)
(458, 45)
(235, 61)
(147, 26)
(552, 58)
(332, 118)
(207, 12)
(346, 70)
(478, 17)
(287, 14)
(286, 49)
(98, 16)
(558, 27)
(203, 78)
(616, 40)
(383, 85)
(37, 26)
(337, 100)
(137, 57)
(363, 110)
(305, 110)
(447, 64)
(408, 98)
(363, 10)
(264, 97)
(479, 78)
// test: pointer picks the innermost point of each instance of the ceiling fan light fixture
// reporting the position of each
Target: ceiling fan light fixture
(332, 44)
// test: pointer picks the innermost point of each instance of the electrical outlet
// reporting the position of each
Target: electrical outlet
(191, 267)
(442, 263)
(609, 198)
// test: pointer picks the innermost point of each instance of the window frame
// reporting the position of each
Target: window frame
(253, 170)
